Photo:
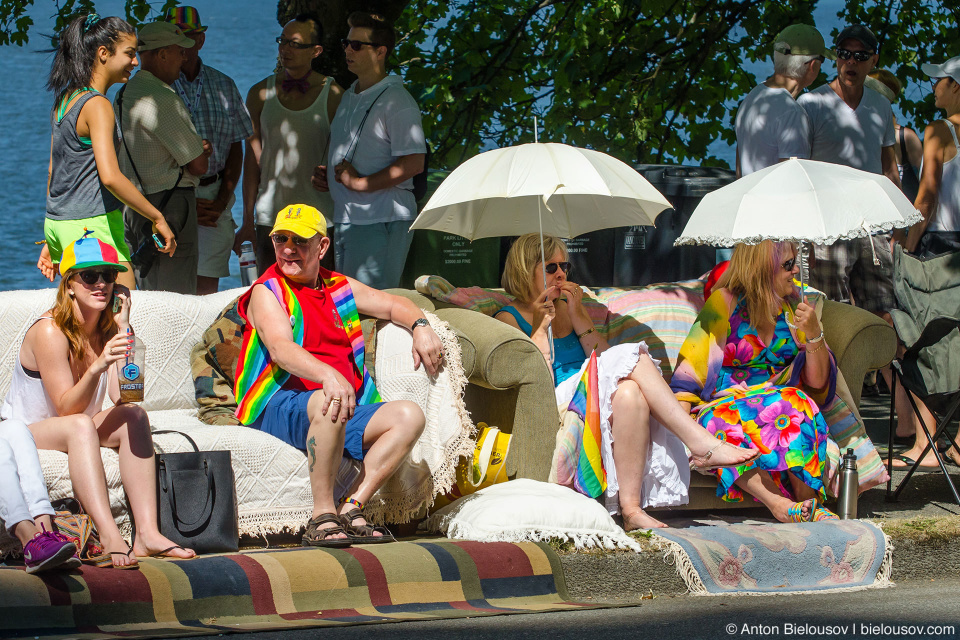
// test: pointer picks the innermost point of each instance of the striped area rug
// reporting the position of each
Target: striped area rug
(287, 588)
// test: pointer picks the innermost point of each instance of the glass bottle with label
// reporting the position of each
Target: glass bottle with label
(130, 371)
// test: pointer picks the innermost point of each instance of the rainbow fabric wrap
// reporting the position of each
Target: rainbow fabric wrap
(258, 378)
(590, 478)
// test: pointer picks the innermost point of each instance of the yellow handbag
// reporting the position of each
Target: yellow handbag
(484, 468)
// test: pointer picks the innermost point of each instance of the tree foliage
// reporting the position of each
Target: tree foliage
(645, 80)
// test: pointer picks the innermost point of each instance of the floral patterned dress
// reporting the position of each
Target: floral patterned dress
(746, 406)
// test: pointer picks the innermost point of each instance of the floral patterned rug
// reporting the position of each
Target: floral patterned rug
(744, 559)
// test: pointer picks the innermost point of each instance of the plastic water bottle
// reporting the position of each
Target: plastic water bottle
(849, 487)
(248, 264)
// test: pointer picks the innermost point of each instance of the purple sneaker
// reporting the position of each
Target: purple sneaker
(49, 550)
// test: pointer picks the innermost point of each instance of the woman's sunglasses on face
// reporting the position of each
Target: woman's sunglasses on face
(281, 239)
(90, 276)
(859, 56)
(789, 264)
(356, 45)
(551, 267)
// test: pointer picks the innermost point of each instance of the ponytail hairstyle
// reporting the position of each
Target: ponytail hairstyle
(76, 51)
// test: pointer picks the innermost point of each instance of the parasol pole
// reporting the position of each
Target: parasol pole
(543, 257)
(802, 258)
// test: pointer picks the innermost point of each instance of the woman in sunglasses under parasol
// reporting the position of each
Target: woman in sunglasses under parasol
(757, 369)
(66, 365)
(644, 464)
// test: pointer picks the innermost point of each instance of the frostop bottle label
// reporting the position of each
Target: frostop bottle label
(131, 372)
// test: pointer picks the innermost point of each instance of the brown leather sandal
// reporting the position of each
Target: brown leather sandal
(315, 537)
(363, 533)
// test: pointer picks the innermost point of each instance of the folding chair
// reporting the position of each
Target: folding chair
(928, 323)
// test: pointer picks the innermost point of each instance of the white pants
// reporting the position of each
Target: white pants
(23, 492)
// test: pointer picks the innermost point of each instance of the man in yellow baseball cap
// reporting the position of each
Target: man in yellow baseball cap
(301, 219)
(301, 374)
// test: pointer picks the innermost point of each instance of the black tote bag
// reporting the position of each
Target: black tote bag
(197, 499)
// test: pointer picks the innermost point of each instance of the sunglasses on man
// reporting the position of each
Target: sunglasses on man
(284, 42)
(356, 45)
(281, 239)
(551, 267)
(92, 276)
(859, 56)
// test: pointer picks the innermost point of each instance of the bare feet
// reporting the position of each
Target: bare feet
(150, 544)
(638, 519)
(952, 455)
(722, 454)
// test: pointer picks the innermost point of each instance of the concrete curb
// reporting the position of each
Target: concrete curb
(622, 577)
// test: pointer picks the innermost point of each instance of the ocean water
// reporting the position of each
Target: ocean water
(240, 42)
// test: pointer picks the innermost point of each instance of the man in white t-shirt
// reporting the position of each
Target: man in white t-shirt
(853, 125)
(771, 126)
(376, 148)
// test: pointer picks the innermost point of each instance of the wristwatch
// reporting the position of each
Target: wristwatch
(419, 322)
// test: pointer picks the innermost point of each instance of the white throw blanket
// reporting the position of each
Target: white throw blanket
(449, 432)
(273, 488)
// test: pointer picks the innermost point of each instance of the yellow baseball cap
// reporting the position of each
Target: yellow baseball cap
(301, 219)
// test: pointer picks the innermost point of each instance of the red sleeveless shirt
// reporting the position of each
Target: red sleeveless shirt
(323, 334)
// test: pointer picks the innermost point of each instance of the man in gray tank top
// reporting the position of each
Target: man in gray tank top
(291, 112)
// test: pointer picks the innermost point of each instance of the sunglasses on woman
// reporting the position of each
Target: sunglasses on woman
(789, 264)
(859, 56)
(356, 45)
(552, 267)
(281, 239)
(90, 276)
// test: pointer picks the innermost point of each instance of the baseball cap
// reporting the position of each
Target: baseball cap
(802, 40)
(88, 252)
(880, 88)
(861, 33)
(187, 18)
(155, 35)
(301, 219)
(949, 69)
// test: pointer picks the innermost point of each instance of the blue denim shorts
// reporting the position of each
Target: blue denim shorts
(285, 417)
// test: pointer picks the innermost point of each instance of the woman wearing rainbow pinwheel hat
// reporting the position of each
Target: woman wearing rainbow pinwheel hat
(66, 365)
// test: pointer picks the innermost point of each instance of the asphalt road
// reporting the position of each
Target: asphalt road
(920, 609)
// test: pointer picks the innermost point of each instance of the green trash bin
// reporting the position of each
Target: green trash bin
(645, 255)
(461, 262)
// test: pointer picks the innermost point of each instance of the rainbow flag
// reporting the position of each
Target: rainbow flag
(590, 478)
(259, 378)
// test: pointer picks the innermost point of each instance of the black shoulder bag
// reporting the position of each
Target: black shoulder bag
(147, 252)
(197, 499)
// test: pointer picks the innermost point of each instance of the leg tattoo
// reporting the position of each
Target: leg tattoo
(312, 450)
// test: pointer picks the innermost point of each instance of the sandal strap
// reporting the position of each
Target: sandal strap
(323, 518)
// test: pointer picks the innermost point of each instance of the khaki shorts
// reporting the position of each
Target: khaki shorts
(214, 244)
(107, 227)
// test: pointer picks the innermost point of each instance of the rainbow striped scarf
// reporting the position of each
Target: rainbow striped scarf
(258, 378)
(589, 477)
